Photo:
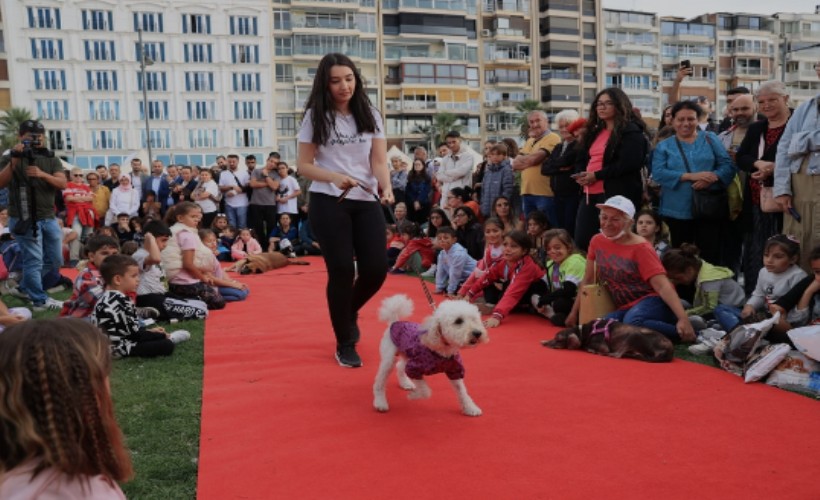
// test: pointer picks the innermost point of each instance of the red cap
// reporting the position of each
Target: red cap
(577, 124)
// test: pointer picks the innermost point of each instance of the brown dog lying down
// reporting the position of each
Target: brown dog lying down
(616, 339)
(266, 261)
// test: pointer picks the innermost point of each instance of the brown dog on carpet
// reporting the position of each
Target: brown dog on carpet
(616, 339)
(263, 262)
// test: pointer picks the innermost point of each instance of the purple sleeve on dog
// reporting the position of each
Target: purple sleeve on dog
(421, 360)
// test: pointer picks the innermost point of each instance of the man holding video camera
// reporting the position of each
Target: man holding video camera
(34, 175)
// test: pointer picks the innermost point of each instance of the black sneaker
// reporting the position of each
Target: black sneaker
(148, 312)
(348, 357)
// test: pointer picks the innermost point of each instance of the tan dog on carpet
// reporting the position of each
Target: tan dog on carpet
(263, 262)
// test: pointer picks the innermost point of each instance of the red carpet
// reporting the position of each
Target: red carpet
(281, 420)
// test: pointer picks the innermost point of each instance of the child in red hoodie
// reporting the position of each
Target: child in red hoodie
(417, 255)
(508, 282)
(493, 253)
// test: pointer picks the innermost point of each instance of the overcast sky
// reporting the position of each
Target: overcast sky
(691, 8)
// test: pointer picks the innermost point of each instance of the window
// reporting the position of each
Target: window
(246, 82)
(59, 140)
(106, 139)
(435, 73)
(160, 138)
(202, 138)
(101, 79)
(154, 81)
(43, 17)
(284, 73)
(52, 109)
(198, 52)
(281, 20)
(101, 110)
(199, 81)
(47, 48)
(283, 46)
(245, 54)
(150, 22)
(157, 110)
(154, 50)
(201, 110)
(248, 138)
(244, 25)
(286, 125)
(99, 50)
(98, 20)
(196, 23)
(49, 79)
(247, 110)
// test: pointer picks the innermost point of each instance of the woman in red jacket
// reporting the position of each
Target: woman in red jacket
(508, 283)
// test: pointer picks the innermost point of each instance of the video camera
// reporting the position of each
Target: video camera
(33, 146)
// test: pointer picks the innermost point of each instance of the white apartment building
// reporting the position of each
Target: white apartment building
(800, 37)
(76, 65)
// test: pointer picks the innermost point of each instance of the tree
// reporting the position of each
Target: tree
(10, 126)
(434, 133)
(525, 107)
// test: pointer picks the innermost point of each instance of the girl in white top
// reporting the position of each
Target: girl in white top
(343, 150)
(58, 435)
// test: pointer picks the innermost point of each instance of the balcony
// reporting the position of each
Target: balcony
(560, 75)
(341, 4)
(507, 80)
(738, 71)
(801, 76)
(433, 106)
(507, 57)
(520, 6)
(401, 53)
(504, 33)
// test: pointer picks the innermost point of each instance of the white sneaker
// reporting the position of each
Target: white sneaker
(705, 347)
(534, 300)
(430, 272)
(712, 333)
(179, 336)
(49, 305)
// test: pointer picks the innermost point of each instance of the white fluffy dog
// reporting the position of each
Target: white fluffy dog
(427, 348)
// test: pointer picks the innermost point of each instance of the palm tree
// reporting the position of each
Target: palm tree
(10, 124)
(429, 134)
(434, 133)
(525, 107)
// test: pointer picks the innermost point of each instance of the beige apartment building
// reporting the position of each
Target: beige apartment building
(5, 85)
(799, 38)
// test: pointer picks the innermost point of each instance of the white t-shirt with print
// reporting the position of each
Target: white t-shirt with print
(228, 178)
(347, 152)
(287, 186)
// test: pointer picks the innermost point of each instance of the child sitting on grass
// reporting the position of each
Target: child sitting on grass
(88, 286)
(713, 285)
(509, 282)
(801, 305)
(231, 290)
(245, 245)
(187, 260)
(566, 267)
(116, 315)
(417, 255)
(454, 263)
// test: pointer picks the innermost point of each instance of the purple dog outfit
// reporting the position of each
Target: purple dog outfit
(421, 360)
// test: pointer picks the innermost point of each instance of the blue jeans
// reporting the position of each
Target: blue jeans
(42, 255)
(727, 316)
(237, 216)
(233, 294)
(650, 312)
(545, 204)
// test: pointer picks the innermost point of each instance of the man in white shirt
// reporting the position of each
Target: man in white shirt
(233, 183)
(456, 169)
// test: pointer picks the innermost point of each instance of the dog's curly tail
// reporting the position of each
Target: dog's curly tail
(396, 307)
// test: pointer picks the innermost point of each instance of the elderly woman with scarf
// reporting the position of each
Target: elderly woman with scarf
(797, 175)
(124, 200)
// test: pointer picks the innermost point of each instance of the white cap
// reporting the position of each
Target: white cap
(620, 203)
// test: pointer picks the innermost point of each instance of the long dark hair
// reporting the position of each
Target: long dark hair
(445, 222)
(323, 110)
(420, 176)
(623, 117)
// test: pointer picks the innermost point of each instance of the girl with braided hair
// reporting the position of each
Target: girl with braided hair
(58, 435)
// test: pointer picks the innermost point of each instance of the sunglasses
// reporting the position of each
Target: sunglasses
(76, 175)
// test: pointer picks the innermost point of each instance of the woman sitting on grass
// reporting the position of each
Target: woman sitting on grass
(58, 435)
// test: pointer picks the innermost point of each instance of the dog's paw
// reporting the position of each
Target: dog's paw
(471, 410)
(380, 404)
(420, 392)
(407, 384)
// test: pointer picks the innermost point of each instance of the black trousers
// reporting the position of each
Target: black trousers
(587, 223)
(262, 219)
(346, 231)
(151, 345)
(155, 300)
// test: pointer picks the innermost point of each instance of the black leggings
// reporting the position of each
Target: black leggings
(347, 230)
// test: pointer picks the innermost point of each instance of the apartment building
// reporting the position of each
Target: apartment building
(570, 53)
(693, 41)
(632, 59)
(5, 85)
(208, 77)
(799, 37)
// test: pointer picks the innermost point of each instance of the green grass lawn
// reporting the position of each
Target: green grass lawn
(158, 403)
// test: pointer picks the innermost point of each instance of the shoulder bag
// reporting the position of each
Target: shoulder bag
(595, 300)
(768, 203)
(707, 204)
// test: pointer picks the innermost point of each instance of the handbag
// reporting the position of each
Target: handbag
(707, 204)
(768, 203)
(595, 300)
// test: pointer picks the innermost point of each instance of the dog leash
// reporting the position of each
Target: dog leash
(424, 286)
